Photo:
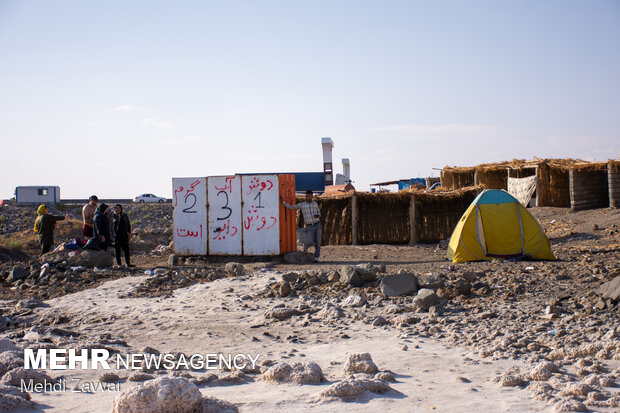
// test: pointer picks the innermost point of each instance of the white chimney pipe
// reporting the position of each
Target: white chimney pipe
(328, 172)
(346, 168)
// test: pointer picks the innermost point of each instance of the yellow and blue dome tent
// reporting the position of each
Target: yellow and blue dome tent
(495, 226)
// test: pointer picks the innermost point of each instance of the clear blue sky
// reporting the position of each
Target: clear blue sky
(117, 97)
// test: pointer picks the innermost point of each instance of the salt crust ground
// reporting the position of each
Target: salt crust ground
(210, 318)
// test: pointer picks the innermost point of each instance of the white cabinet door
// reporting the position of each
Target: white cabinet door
(261, 214)
(189, 199)
(225, 228)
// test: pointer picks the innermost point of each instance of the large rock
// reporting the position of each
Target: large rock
(360, 363)
(162, 395)
(349, 275)
(18, 273)
(91, 258)
(610, 290)
(426, 299)
(298, 257)
(399, 284)
(300, 373)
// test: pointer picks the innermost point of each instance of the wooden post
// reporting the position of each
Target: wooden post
(571, 187)
(354, 219)
(538, 190)
(476, 183)
(413, 235)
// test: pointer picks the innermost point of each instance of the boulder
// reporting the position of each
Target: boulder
(360, 363)
(234, 268)
(298, 257)
(399, 284)
(610, 290)
(349, 275)
(91, 259)
(18, 273)
(162, 395)
(425, 299)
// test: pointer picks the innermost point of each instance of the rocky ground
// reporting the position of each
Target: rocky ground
(512, 336)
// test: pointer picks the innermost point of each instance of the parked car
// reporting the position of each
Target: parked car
(148, 198)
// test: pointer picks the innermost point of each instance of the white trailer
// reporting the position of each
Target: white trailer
(37, 194)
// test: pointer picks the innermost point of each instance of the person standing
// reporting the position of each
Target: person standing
(44, 225)
(109, 219)
(312, 220)
(101, 227)
(88, 216)
(122, 227)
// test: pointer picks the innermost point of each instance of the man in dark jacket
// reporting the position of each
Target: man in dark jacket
(102, 229)
(45, 225)
(122, 227)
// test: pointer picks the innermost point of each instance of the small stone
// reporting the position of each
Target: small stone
(399, 284)
(385, 376)
(234, 268)
(139, 376)
(285, 289)
(348, 275)
(173, 260)
(510, 380)
(569, 406)
(425, 299)
(379, 321)
(109, 377)
(290, 277)
(354, 300)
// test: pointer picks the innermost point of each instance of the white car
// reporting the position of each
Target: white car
(148, 198)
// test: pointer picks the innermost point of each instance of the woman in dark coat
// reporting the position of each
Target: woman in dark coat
(102, 230)
(122, 227)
